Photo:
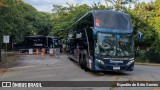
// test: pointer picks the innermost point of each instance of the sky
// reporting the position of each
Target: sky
(46, 5)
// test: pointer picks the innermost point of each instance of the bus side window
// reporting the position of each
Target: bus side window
(79, 44)
(72, 46)
(51, 43)
(85, 45)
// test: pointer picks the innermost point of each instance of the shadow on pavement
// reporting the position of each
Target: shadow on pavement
(108, 73)
(104, 73)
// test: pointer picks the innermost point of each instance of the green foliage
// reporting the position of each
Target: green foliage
(119, 5)
(145, 18)
(64, 17)
(19, 19)
(141, 56)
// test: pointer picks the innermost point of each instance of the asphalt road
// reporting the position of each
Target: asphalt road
(60, 68)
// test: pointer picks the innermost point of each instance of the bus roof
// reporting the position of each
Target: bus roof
(35, 36)
(41, 36)
(106, 11)
(110, 19)
(94, 12)
(52, 36)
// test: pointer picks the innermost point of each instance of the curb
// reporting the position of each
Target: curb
(147, 64)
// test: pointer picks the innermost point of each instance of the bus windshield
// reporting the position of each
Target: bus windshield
(57, 42)
(113, 21)
(114, 45)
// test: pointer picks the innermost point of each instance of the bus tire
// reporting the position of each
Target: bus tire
(81, 63)
(85, 63)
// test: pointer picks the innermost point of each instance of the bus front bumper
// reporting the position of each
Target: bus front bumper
(101, 65)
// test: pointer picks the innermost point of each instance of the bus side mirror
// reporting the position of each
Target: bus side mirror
(140, 35)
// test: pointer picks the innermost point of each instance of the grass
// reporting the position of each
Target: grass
(142, 60)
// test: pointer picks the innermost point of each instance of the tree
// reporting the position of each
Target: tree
(144, 18)
(64, 17)
(19, 19)
(118, 5)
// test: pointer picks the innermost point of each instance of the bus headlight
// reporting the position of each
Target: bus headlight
(100, 61)
(130, 62)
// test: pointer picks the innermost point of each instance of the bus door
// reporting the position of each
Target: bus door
(77, 49)
(70, 43)
(78, 45)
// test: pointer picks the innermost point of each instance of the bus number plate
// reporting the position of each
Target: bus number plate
(116, 68)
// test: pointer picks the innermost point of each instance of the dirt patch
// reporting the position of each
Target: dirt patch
(4, 70)
(7, 61)
(9, 57)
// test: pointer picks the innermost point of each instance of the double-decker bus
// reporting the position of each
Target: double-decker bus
(102, 40)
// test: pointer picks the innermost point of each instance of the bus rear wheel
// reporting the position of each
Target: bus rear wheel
(81, 63)
(84, 63)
